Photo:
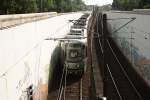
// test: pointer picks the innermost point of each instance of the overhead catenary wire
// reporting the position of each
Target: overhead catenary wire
(66, 39)
(134, 38)
(140, 30)
(137, 39)
(127, 37)
(121, 18)
(123, 25)
(60, 28)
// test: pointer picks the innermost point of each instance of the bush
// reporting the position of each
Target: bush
(147, 6)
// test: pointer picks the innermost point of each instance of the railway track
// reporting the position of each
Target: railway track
(74, 91)
(118, 84)
(74, 88)
(79, 89)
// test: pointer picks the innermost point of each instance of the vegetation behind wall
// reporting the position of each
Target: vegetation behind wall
(32, 6)
(130, 4)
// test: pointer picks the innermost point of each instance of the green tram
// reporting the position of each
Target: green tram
(74, 56)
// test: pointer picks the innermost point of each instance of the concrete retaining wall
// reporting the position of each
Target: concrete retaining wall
(7, 21)
(25, 55)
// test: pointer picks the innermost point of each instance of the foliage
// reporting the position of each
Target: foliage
(147, 6)
(29, 6)
(17, 6)
(130, 4)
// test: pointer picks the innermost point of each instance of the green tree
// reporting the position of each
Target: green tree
(17, 6)
(144, 4)
(125, 4)
(30, 6)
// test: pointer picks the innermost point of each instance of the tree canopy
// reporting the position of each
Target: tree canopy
(130, 4)
(30, 6)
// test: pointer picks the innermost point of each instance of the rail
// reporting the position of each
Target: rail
(117, 82)
(64, 90)
(81, 89)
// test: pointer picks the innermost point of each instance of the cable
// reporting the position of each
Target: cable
(136, 32)
(134, 37)
(139, 95)
(60, 28)
(121, 18)
(123, 25)
(114, 82)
